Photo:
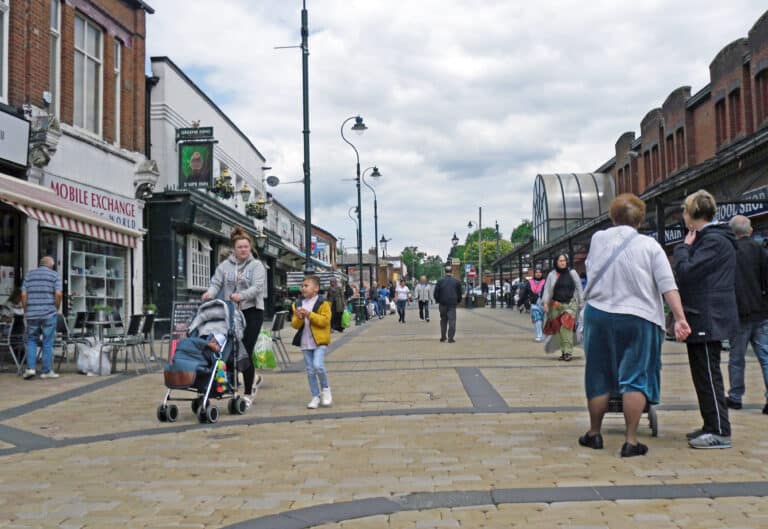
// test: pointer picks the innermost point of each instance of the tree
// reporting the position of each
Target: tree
(489, 234)
(523, 232)
(433, 267)
(490, 254)
(411, 257)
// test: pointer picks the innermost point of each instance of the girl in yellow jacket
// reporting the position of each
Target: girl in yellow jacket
(313, 338)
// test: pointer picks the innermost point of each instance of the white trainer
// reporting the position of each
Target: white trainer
(325, 397)
(29, 373)
(314, 403)
(50, 374)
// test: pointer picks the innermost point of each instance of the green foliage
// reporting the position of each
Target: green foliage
(419, 263)
(489, 234)
(523, 232)
(490, 253)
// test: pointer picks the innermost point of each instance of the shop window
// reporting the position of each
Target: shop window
(4, 16)
(54, 61)
(96, 276)
(199, 261)
(88, 77)
(734, 112)
(670, 152)
(680, 146)
(721, 133)
(117, 80)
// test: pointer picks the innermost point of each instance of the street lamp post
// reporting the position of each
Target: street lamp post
(309, 268)
(358, 127)
(374, 174)
(384, 242)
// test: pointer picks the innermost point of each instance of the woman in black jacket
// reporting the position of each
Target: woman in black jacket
(705, 269)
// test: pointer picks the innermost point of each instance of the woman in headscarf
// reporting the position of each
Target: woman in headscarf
(562, 300)
(535, 289)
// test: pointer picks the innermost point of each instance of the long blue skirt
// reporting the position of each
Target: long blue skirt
(623, 354)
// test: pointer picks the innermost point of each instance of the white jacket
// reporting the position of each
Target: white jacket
(424, 292)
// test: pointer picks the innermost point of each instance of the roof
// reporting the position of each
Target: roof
(202, 94)
(140, 5)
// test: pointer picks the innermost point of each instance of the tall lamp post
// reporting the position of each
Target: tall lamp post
(358, 127)
(374, 174)
(358, 315)
(479, 244)
(384, 242)
(454, 244)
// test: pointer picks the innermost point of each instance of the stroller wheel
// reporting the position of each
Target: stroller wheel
(212, 414)
(653, 421)
(161, 413)
(201, 416)
(240, 406)
(172, 413)
(231, 407)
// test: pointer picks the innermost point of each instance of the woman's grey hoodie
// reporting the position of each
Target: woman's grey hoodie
(249, 279)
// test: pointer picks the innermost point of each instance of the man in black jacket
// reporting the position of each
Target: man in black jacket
(752, 301)
(705, 270)
(448, 294)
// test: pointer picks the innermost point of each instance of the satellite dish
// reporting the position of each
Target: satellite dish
(272, 181)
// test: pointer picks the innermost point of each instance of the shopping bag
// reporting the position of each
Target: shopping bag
(346, 319)
(552, 326)
(263, 356)
(88, 358)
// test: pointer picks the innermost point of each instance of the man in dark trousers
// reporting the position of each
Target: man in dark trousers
(752, 301)
(447, 294)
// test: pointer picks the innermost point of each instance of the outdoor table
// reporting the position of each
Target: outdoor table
(100, 325)
(152, 355)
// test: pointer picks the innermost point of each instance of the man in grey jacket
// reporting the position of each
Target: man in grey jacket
(423, 294)
(448, 295)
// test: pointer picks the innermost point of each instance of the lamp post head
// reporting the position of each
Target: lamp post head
(260, 239)
(359, 127)
(454, 240)
(272, 181)
(245, 192)
(470, 225)
(375, 173)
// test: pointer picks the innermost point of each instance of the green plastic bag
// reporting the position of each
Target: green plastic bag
(263, 356)
(346, 319)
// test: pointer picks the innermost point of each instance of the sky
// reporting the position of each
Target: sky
(466, 101)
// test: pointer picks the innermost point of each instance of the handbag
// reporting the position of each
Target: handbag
(552, 326)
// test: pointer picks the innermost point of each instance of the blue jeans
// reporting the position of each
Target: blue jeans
(401, 309)
(755, 333)
(314, 361)
(46, 327)
(539, 326)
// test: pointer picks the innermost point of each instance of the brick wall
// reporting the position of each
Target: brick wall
(29, 77)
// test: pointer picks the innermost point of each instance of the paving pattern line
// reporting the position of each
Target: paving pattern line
(481, 392)
(18, 437)
(344, 511)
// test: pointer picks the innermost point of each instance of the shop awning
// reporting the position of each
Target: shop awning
(46, 206)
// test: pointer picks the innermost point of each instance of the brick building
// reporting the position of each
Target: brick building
(714, 139)
(74, 71)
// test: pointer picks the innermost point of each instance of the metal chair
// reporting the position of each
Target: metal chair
(79, 328)
(12, 338)
(278, 323)
(130, 339)
(146, 335)
(65, 338)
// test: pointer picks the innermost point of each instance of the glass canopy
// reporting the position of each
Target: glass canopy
(563, 202)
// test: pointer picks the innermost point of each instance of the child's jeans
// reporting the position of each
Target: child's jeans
(539, 326)
(314, 361)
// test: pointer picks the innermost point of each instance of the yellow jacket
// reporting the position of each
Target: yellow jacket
(319, 323)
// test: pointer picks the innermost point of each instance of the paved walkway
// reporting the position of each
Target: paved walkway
(480, 434)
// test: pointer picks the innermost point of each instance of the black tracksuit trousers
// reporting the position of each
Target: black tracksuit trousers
(704, 359)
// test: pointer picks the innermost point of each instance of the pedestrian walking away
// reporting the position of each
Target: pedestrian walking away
(401, 298)
(624, 321)
(312, 321)
(562, 301)
(447, 294)
(534, 290)
(242, 278)
(338, 306)
(424, 295)
(41, 295)
(752, 302)
(705, 270)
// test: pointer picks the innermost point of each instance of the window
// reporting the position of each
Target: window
(88, 89)
(620, 181)
(4, 16)
(628, 179)
(734, 112)
(670, 152)
(648, 178)
(721, 134)
(655, 163)
(680, 145)
(762, 96)
(54, 60)
(116, 74)
(199, 260)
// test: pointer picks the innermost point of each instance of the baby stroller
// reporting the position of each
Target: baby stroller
(616, 405)
(206, 362)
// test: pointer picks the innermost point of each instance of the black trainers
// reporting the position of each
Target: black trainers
(451, 340)
(442, 339)
(591, 441)
(694, 434)
(629, 450)
(733, 404)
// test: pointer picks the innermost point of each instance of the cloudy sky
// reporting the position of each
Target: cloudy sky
(465, 100)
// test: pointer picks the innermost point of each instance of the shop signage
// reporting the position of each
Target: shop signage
(196, 164)
(14, 139)
(727, 210)
(119, 209)
(194, 133)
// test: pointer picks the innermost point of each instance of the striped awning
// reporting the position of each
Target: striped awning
(46, 206)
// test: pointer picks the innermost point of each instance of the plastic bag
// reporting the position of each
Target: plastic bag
(346, 319)
(88, 359)
(263, 357)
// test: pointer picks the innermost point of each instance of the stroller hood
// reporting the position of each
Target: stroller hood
(218, 317)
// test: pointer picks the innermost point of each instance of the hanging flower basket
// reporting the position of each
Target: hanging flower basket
(257, 210)
(223, 188)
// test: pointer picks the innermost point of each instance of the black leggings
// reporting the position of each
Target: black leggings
(254, 318)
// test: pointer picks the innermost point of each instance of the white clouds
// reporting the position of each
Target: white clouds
(465, 100)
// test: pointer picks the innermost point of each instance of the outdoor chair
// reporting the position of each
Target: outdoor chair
(146, 335)
(12, 338)
(65, 338)
(129, 340)
(278, 323)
